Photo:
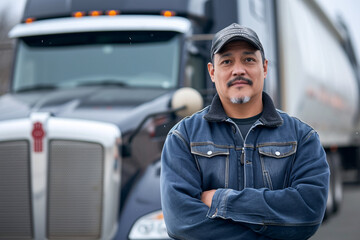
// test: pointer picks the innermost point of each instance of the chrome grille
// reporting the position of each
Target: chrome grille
(75, 190)
(15, 204)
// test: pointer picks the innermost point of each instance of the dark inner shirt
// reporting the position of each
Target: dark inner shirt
(245, 124)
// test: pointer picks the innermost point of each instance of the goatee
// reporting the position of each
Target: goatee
(240, 100)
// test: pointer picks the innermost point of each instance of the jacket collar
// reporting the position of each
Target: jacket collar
(270, 116)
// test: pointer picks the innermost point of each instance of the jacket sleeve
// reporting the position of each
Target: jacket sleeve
(291, 213)
(185, 214)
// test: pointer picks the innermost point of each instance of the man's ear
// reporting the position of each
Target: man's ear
(265, 65)
(211, 71)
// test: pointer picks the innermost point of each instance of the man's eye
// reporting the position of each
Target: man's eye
(226, 62)
(249, 60)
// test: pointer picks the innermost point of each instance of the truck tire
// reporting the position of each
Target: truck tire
(329, 205)
(336, 185)
(357, 180)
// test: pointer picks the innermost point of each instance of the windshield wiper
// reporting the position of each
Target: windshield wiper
(37, 87)
(106, 82)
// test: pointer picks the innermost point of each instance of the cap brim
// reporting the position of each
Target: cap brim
(229, 39)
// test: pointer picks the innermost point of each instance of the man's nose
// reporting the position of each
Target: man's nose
(238, 69)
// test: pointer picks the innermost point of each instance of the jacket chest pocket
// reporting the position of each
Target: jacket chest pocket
(213, 162)
(276, 160)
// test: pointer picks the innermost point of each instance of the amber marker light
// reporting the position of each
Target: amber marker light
(168, 13)
(95, 13)
(78, 14)
(112, 13)
(29, 20)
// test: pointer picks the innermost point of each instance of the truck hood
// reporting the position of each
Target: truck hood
(125, 107)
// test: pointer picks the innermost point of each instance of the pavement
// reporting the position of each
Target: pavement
(345, 225)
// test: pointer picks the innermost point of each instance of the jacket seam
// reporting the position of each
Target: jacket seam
(294, 143)
(226, 200)
(272, 222)
(310, 134)
(194, 144)
(197, 164)
(178, 134)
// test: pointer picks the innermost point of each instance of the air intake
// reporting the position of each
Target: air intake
(75, 190)
(15, 193)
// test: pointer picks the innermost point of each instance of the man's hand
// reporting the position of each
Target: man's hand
(206, 197)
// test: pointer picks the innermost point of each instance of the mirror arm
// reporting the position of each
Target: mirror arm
(126, 147)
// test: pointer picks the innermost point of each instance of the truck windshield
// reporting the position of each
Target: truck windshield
(131, 59)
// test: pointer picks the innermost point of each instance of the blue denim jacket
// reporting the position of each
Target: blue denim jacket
(272, 185)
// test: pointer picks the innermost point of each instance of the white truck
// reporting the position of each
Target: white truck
(93, 94)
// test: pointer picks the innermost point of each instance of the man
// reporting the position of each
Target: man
(240, 169)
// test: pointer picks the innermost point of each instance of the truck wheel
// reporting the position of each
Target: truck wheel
(336, 184)
(357, 165)
(329, 205)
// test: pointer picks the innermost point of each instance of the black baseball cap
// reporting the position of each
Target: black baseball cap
(235, 32)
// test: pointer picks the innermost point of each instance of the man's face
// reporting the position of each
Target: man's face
(238, 73)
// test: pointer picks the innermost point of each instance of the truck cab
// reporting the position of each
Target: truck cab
(89, 107)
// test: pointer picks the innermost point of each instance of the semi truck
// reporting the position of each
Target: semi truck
(97, 85)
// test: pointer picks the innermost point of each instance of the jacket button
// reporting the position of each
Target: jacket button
(214, 215)
(209, 153)
(277, 153)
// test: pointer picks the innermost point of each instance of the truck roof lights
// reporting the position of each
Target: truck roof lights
(29, 20)
(168, 13)
(95, 13)
(78, 14)
(112, 12)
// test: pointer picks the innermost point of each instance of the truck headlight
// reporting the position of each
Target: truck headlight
(150, 226)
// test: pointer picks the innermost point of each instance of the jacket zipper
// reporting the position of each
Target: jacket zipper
(242, 156)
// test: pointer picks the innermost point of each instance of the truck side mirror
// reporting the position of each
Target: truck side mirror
(185, 102)
(188, 99)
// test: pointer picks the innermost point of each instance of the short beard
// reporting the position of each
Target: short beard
(240, 100)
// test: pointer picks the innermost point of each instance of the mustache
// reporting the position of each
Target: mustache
(239, 78)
